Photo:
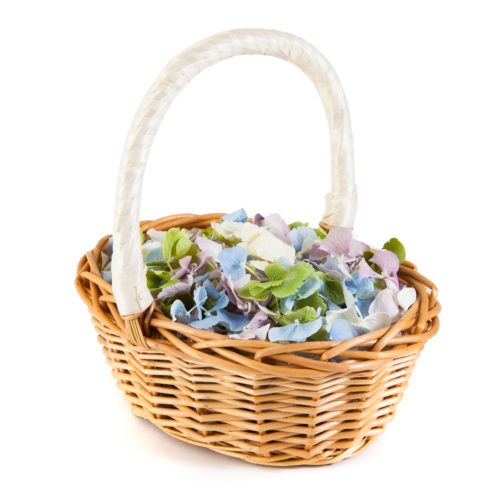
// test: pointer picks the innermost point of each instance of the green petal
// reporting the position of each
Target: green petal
(295, 276)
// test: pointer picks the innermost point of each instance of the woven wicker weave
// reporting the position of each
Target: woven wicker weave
(259, 401)
(308, 403)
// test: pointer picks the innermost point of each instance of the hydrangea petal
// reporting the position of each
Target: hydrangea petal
(208, 247)
(406, 297)
(248, 333)
(286, 304)
(206, 323)
(179, 313)
(220, 297)
(365, 289)
(387, 261)
(183, 267)
(342, 330)
(363, 306)
(237, 216)
(365, 271)
(154, 255)
(299, 235)
(232, 261)
(294, 332)
(277, 226)
(309, 287)
(200, 297)
(177, 289)
(337, 241)
(348, 314)
(376, 321)
(155, 235)
(385, 302)
(245, 306)
(233, 322)
(358, 248)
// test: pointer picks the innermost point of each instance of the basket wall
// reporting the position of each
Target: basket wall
(262, 402)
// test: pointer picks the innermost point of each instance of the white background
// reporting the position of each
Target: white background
(422, 80)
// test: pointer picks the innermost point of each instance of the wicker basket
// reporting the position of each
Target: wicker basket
(263, 402)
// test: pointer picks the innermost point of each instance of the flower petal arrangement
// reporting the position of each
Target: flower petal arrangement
(268, 280)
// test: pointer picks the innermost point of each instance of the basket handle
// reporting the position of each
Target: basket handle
(129, 282)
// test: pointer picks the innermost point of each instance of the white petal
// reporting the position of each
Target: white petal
(252, 333)
(268, 247)
(156, 235)
(374, 321)
(406, 297)
(348, 314)
(385, 302)
(258, 264)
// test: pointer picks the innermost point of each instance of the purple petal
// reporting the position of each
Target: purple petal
(365, 271)
(208, 247)
(258, 219)
(275, 224)
(177, 289)
(259, 319)
(337, 241)
(227, 284)
(358, 248)
(387, 261)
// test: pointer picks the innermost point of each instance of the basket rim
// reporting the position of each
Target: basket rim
(420, 320)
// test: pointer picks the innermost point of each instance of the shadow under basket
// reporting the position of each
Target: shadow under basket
(309, 403)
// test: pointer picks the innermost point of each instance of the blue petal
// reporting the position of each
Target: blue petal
(352, 286)
(363, 306)
(156, 255)
(286, 304)
(221, 298)
(331, 305)
(200, 297)
(236, 216)
(232, 261)
(342, 330)
(179, 313)
(298, 234)
(366, 289)
(206, 323)
(294, 332)
(308, 287)
(233, 322)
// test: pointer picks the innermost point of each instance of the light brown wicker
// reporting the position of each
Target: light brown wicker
(259, 401)
(309, 403)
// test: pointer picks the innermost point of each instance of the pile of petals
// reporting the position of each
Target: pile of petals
(270, 280)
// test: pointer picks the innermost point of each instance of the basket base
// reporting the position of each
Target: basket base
(257, 460)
